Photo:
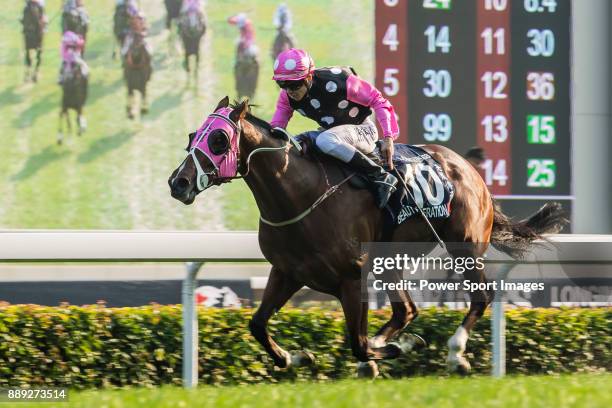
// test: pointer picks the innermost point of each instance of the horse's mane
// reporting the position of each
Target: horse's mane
(254, 119)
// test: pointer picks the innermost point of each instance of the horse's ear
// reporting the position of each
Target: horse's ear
(223, 103)
(240, 111)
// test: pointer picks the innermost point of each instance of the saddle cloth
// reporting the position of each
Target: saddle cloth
(424, 177)
(430, 187)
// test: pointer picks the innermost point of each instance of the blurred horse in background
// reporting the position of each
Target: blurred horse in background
(246, 67)
(283, 23)
(74, 95)
(33, 22)
(137, 65)
(192, 26)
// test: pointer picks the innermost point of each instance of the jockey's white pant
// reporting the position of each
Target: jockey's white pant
(342, 141)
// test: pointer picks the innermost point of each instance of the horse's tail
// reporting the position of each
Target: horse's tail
(514, 238)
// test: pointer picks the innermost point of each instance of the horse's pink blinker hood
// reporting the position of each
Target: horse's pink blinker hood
(226, 163)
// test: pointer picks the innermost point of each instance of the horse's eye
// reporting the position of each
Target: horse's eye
(191, 136)
(218, 143)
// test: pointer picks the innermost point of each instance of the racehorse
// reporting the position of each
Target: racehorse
(282, 42)
(33, 22)
(137, 70)
(246, 72)
(74, 95)
(192, 28)
(320, 247)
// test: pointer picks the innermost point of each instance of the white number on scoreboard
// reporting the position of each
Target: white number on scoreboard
(495, 172)
(439, 83)
(540, 86)
(497, 5)
(495, 84)
(495, 128)
(437, 127)
(390, 37)
(438, 39)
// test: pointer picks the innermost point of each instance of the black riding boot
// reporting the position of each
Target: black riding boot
(384, 182)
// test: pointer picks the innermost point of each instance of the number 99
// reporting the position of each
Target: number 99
(437, 127)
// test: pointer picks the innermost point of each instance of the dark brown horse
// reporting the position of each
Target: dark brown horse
(246, 73)
(33, 22)
(137, 70)
(282, 42)
(322, 249)
(192, 27)
(74, 95)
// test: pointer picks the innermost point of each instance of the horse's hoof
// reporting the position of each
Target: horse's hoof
(459, 366)
(302, 358)
(367, 369)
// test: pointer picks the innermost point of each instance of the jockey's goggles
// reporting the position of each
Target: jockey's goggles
(291, 85)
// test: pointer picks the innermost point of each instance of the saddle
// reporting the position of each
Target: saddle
(429, 189)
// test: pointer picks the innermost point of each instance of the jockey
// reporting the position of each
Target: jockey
(192, 9)
(191, 6)
(71, 54)
(282, 18)
(138, 28)
(246, 43)
(341, 103)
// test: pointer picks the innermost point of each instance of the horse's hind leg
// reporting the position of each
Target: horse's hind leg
(130, 103)
(279, 290)
(144, 104)
(28, 64)
(404, 311)
(81, 122)
(60, 127)
(38, 61)
(479, 300)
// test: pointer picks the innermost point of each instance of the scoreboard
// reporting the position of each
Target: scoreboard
(492, 73)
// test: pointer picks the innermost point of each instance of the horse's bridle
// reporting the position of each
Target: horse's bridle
(203, 179)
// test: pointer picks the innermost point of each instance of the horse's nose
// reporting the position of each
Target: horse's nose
(179, 187)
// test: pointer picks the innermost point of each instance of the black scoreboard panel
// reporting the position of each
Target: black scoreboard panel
(493, 73)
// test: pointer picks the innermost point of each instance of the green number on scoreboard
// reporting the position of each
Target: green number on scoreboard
(437, 4)
(541, 173)
(541, 129)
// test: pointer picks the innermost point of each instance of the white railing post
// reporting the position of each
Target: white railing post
(190, 327)
(498, 326)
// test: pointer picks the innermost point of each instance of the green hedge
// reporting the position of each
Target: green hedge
(98, 346)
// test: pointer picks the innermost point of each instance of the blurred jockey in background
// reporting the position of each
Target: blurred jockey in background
(282, 18)
(71, 54)
(138, 28)
(246, 44)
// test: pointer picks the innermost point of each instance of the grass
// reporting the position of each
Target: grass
(577, 390)
(114, 177)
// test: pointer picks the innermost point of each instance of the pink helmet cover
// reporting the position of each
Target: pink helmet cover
(292, 65)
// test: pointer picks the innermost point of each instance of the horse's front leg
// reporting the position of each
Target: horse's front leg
(38, 62)
(356, 314)
(279, 290)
